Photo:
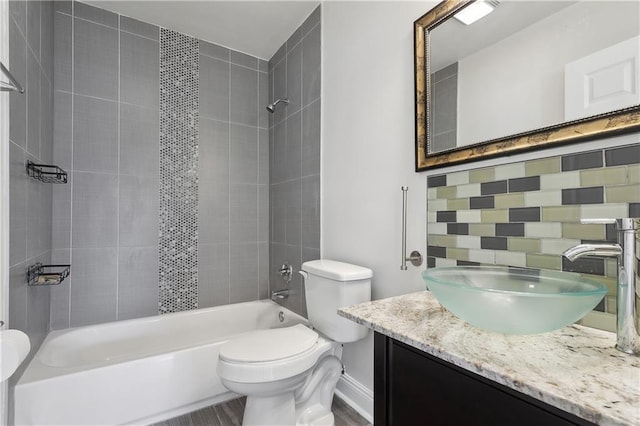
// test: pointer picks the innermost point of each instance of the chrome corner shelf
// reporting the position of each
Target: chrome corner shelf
(39, 274)
(12, 85)
(46, 173)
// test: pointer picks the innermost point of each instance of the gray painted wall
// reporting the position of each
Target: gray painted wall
(295, 156)
(31, 124)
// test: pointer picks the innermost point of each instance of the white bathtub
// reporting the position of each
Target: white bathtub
(136, 371)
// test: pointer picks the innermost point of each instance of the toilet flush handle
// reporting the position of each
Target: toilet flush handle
(304, 274)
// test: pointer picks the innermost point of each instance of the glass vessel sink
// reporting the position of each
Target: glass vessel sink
(513, 300)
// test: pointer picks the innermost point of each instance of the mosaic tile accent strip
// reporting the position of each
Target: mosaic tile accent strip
(527, 213)
(179, 136)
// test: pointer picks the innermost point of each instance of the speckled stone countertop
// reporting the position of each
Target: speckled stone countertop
(575, 368)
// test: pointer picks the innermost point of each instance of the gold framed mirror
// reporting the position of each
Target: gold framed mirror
(491, 130)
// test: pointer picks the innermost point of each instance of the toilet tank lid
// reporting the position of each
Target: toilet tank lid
(335, 270)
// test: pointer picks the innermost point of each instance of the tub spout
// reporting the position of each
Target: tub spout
(627, 338)
(280, 294)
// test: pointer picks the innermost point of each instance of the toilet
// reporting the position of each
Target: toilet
(289, 374)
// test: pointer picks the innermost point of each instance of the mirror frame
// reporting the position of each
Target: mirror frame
(612, 123)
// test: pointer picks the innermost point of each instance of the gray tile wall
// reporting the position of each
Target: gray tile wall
(233, 250)
(31, 138)
(444, 91)
(107, 133)
(294, 73)
(105, 221)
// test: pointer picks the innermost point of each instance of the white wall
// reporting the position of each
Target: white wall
(368, 149)
(4, 196)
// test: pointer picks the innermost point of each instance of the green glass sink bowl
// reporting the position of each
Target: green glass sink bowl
(513, 300)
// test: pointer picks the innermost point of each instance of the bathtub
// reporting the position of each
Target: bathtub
(137, 371)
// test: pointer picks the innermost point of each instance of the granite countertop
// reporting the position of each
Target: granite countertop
(576, 368)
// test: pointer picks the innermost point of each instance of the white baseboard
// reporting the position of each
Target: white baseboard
(358, 396)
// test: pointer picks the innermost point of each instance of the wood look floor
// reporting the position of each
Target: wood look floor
(230, 414)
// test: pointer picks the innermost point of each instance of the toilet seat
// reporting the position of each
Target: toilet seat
(269, 345)
(268, 355)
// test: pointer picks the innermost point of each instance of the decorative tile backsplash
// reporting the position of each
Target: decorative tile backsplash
(527, 213)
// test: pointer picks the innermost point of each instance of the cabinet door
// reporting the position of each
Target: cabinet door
(419, 389)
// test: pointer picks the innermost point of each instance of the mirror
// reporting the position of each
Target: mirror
(529, 75)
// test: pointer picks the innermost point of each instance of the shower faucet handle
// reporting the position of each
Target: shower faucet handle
(286, 270)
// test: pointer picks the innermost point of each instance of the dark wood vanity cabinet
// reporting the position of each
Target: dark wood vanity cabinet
(412, 387)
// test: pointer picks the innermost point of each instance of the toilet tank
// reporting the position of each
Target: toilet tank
(330, 285)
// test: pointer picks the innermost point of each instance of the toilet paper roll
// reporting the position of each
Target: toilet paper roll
(14, 348)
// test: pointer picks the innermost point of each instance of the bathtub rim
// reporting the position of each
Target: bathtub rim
(37, 370)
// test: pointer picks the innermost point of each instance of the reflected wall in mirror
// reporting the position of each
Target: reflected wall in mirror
(528, 75)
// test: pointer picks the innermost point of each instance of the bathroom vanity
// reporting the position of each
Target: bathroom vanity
(432, 366)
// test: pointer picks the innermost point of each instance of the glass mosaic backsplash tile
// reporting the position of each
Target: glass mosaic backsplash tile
(527, 213)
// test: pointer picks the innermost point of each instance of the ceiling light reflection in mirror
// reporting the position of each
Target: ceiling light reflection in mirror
(476, 11)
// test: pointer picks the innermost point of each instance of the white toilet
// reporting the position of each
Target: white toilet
(289, 374)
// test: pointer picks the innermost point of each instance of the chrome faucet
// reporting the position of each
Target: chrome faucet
(280, 294)
(627, 339)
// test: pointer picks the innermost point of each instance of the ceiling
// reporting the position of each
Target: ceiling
(257, 28)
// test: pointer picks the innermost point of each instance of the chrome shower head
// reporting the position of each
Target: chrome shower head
(272, 106)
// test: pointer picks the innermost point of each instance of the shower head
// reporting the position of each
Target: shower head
(272, 107)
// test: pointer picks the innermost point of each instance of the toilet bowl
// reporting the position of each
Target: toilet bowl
(269, 366)
(289, 374)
